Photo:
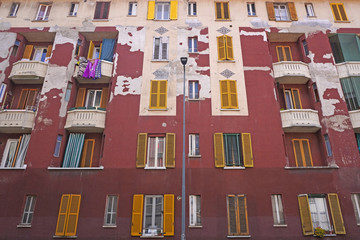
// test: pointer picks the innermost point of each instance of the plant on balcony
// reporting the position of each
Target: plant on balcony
(319, 232)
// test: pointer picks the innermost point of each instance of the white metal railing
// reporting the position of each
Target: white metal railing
(291, 68)
(355, 119)
(348, 69)
(85, 118)
(23, 69)
(16, 118)
(300, 118)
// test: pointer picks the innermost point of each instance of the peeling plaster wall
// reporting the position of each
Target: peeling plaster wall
(7, 40)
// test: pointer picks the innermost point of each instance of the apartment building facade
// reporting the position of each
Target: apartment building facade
(91, 119)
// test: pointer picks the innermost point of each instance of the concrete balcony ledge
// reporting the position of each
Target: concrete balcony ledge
(312, 168)
(28, 72)
(16, 121)
(76, 169)
(106, 73)
(14, 168)
(300, 120)
(291, 72)
(355, 120)
(348, 69)
(85, 120)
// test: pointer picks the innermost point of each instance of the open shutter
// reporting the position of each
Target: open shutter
(141, 150)
(137, 213)
(91, 50)
(233, 99)
(62, 217)
(243, 218)
(87, 153)
(28, 51)
(270, 11)
(305, 215)
(296, 98)
(292, 10)
(80, 98)
(247, 150)
(162, 95)
(48, 52)
(169, 215)
(336, 214)
(219, 150)
(104, 97)
(73, 214)
(173, 9)
(151, 10)
(16, 152)
(229, 48)
(170, 150)
(221, 47)
(22, 100)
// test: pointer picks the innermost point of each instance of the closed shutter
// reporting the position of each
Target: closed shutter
(62, 217)
(169, 215)
(31, 98)
(73, 214)
(342, 12)
(297, 152)
(137, 213)
(225, 6)
(292, 10)
(153, 94)
(162, 95)
(170, 150)
(48, 52)
(247, 150)
(173, 10)
(22, 100)
(287, 53)
(224, 94)
(219, 150)
(270, 11)
(104, 97)
(229, 48)
(335, 11)
(243, 219)
(305, 215)
(151, 10)
(80, 98)
(221, 47)
(232, 215)
(88, 152)
(141, 150)
(233, 94)
(296, 98)
(336, 214)
(91, 50)
(28, 51)
(280, 53)
(307, 152)
(218, 10)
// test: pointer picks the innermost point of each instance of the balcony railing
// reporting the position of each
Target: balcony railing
(355, 120)
(28, 72)
(291, 72)
(16, 121)
(348, 69)
(85, 120)
(106, 73)
(300, 120)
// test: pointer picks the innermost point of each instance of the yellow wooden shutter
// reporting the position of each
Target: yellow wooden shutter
(80, 98)
(141, 150)
(91, 50)
(280, 53)
(153, 93)
(170, 150)
(31, 98)
(305, 215)
(219, 150)
(229, 48)
(218, 11)
(168, 215)
(270, 11)
(225, 10)
(28, 51)
(104, 97)
(292, 10)
(233, 99)
(221, 47)
(137, 213)
(224, 94)
(296, 98)
(342, 12)
(48, 52)
(232, 215)
(73, 214)
(16, 152)
(162, 94)
(336, 214)
(297, 152)
(243, 218)
(23, 96)
(173, 9)
(62, 217)
(87, 153)
(287, 53)
(247, 150)
(151, 10)
(306, 152)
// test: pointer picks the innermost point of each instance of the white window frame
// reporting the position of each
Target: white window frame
(251, 9)
(278, 210)
(289, 101)
(40, 50)
(74, 7)
(14, 9)
(163, 42)
(58, 145)
(160, 12)
(93, 103)
(132, 8)
(43, 18)
(310, 10)
(9, 142)
(154, 231)
(29, 208)
(280, 9)
(192, 41)
(194, 210)
(194, 140)
(315, 211)
(192, 9)
(156, 147)
(328, 145)
(111, 210)
(355, 198)
(194, 93)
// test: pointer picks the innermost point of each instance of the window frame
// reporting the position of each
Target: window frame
(195, 211)
(162, 12)
(112, 211)
(222, 11)
(192, 45)
(14, 9)
(15, 49)
(160, 47)
(302, 153)
(74, 7)
(292, 98)
(191, 7)
(158, 95)
(310, 12)
(305, 47)
(339, 12)
(57, 148)
(28, 210)
(45, 17)
(93, 103)
(7, 149)
(158, 164)
(251, 10)
(278, 210)
(66, 203)
(284, 57)
(312, 201)
(194, 145)
(194, 93)
(43, 53)
(153, 215)
(101, 5)
(228, 94)
(237, 215)
(328, 145)
(355, 198)
(225, 46)
(277, 9)
(132, 11)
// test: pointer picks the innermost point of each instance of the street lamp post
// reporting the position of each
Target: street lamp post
(183, 62)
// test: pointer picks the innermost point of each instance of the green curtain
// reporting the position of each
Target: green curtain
(351, 89)
(73, 150)
(350, 46)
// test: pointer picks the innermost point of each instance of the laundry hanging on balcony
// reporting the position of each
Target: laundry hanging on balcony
(93, 69)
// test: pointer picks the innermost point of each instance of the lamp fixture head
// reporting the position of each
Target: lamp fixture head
(183, 60)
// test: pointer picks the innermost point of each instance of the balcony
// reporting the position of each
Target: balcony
(348, 69)
(85, 120)
(28, 72)
(16, 121)
(291, 72)
(355, 120)
(106, 73)
(300, 120)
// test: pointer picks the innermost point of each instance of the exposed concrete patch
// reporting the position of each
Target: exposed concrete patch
(87, 26)
(256, 68)
(195, 23)
(45, 121)
(310, 25)
(338, 123)
(132, 36)
(263, 34)
(116, 56)
(36, 28)
(125, 86)
(258, 23)
(7, 40)
(328, 56)
(5, 26)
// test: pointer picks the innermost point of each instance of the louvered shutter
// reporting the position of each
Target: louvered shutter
(335, 11)
(292, 10)
(151, 10)
(225, 9)
(297, 152)
(87, 153)
(219, 150)
(28, 51)
(243, 220)
(73, 214)
(232, 215)
(173, 10)
(170, 150)
(287, 53)
(80, 98)
(104, 97)
(153, 94)
(218, 10)
(168, 215)
(305, 215)
(48, 52)
(91, 50)
(336, 214)
(233, 99)
(229, 48)
(224, 94)
(280, 53)
(247, 150)
(64, 205)
(141, 150)
(22, 100)
(30, 101)
(307, 152)
(270, 11)
(137, 213)
(221, 47)
(162, 94)
(296, 98)
(342, 12)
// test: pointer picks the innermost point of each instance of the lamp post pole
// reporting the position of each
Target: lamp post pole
(183, 196)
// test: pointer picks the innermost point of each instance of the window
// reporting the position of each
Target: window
(132, 8)
(193, 44)
(233, 150)
(94, 50)
(58, 145)
(194, 145)
(194, 210)
(78, 47)
(283, 53)
(314, 213)
(357, 136)
(28, 213)
(74, 9)
(228, 94)
(345, 47)
(278, 210)
(302, 152)
(281, 11)
(237, 215)
(15, 152)
(338, 11)
(160, 48)
(28, 99)
(351, 89)
(309, 10)
(305, 47)
(162, 10)
(102, 10)
(225, 48)
(68, 215)
(193, 90)
(328, 146)
(154, 216)
(155, 151)
(43, 12)
(355, 197)
(192, 9)
(111, 210)
(14, 9)
(158, 94)
(251, 9)
(292, 98)
(316, 92)
(68, 92)
(222, 11)
(92, 98)
(15, 48)
(79, 151)
(38, 53)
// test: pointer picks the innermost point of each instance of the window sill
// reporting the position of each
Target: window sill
(280, 226)
(158, 109)
(194, 156)
(76, 169)
(328, 235)
(100, 20)
(192, 15)
(312, 168)
(71, 16)
(235, 168)
(14, 168)
(226, 61)
(65, 237)
(229, 109)
(154, 168)
(197, 226)
(193, 53)
(24, 226)
(240, 236)
(252, 15)
(311, 16)
(162, 20)
(151, 236)
(159, 60)
(342, 21)
(109, 226)
(131, 15)
(39, 20)
(222, 20)
(283, 21)
(11, 16)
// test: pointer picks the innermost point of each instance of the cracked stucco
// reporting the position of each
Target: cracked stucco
(7, 40)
